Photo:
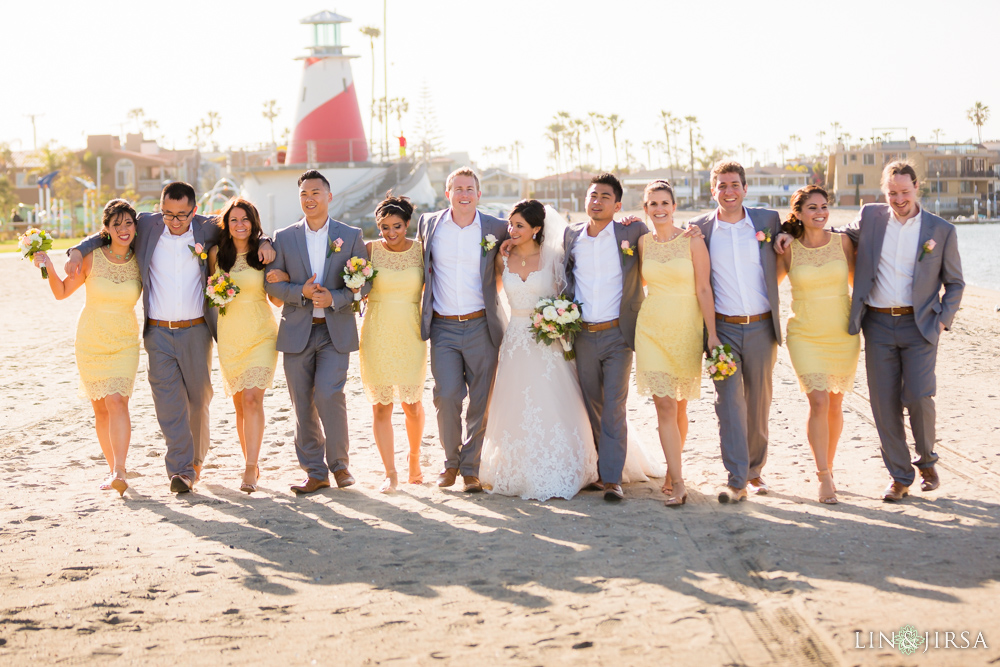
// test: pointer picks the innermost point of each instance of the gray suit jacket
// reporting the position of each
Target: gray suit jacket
(292, 257)
(942, 266)
(763, 220)
(149, 228)
(496, 319)
(632, 293)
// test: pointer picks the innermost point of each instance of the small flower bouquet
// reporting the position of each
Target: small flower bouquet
(34, 240)
(488, 243)
(357, 272)
(557, 319)
(721, 362)
(198, 252)
(763, 236)
(926, 249)
(221, 291)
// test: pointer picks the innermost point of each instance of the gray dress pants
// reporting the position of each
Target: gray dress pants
(604, 364)
(464, 363)
(180, 377)
(901, 374)
(743, 400)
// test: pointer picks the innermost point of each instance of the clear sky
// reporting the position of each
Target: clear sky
(751, 72)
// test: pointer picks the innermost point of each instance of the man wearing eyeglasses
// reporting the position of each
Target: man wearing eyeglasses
(179, 330)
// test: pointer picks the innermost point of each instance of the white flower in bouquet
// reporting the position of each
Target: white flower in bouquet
(355, 281)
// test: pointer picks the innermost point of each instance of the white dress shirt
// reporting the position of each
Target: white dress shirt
(457, 279)
(737, 274)
(318, 244)
(894, 275)
(176, 286)
(597, 272)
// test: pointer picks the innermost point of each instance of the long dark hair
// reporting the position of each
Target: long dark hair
(227, 247)
(112, 210)
(793, 225)
(533, 212)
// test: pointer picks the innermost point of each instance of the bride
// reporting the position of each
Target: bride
(538, 443)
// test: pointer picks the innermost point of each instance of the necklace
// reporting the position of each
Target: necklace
(126, 257)
(524, 258)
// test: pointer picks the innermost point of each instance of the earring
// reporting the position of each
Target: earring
(535, 235)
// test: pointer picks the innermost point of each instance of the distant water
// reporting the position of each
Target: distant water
(980, 249)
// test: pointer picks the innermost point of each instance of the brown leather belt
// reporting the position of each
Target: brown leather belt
(182, 324)
(895, 311)
(742, 319)
(319, 320)
(461, 318)
(594, 327)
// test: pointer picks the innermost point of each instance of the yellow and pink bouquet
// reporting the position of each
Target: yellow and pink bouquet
(557, 318)
(357, 272)
(221, 291)
(720, 362)
(34, 240)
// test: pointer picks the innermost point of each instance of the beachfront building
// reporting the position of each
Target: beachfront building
(139, 169)
(952, 176)
(681, 181)
(773, 186)
(565, 192)
(500, 186)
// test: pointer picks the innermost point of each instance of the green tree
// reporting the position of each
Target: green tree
(612, 123)
(978, 115)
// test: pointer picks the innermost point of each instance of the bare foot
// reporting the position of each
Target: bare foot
(416, 475)
(389, 483)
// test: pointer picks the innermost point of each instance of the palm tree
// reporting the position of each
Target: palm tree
(648, 144)
(515, 148)
(691, 122)
(137, 115)
(271, 112)
(978, 115)
(744, 147)
(794, 138)
(822, 145)
(554, 133)
(752, 151)
(613, 123)
(595, 119)
(210, 125)
(781, 149)
(835, 126)
(668, 119)
(937, 134)
(372, 33)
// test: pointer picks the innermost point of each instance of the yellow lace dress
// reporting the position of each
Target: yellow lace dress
(248, 333)
(669, 329)
(824, 355)
(393, 357)
(107, 333)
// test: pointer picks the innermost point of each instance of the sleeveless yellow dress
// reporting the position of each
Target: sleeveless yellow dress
(824, 355)
(248, 333)
(669, 329)
(107, 333)
(393, 357)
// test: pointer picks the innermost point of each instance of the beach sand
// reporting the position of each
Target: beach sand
(428, 577)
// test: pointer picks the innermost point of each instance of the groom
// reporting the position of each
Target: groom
(745, 285)
(462, 317)
(318, 330)
(602, 273)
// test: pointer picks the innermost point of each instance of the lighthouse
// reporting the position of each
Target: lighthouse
(327, 119)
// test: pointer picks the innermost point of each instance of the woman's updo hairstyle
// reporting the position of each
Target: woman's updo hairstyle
(112, 210)
(793, 225)
(400, 206)
(659, 184)
(533, 212)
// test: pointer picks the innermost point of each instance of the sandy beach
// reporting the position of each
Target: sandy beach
(427, 577)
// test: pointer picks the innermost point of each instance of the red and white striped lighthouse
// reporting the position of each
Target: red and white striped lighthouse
(328, 121)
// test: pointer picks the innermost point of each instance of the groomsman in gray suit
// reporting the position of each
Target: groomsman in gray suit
(602, 272)
(906, 255)
(745, 284)
(462, 317)
(179, 328)
(318, 330)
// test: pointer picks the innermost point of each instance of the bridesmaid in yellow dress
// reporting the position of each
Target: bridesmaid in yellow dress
(393, 357)
(669, 334)
(107, 334)
(247, 333)
(820, 267)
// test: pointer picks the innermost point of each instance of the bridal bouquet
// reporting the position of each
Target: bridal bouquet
(557, 318)
(221, 291)
(721, 362)
(357, 272)
(34, 240)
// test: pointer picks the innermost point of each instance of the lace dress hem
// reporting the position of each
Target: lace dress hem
(659, 383)
(258, 377)
(835, 384)
(95, 391)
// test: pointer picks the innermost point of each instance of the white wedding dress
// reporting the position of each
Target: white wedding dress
(539, 443)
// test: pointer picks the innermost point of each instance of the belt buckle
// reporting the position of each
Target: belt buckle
(170, 326)
(460, 318)
(745, 318)
(892, 311)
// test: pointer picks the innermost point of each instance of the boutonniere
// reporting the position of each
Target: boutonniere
(927, 249)
(334, 246)
(488, 243)
(198, 252)
(763, 236)
(627, 249)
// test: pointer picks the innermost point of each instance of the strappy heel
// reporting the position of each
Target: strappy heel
(118, 483)
(246, 487)
(827, 491)
(678, 495)
(389, 483)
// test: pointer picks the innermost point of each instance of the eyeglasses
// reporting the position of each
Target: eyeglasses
(169, 217)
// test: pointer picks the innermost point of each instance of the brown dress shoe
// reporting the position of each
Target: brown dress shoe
(472, 484)
(343, 477)
(613, 492)
(759, 486)
(595, 486)
(895, 491)
(929, 479)
(311, 484)
(180, 484)
(447, 477)
(729, 494)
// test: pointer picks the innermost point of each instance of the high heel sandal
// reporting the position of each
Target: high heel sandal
(246, 487)
(417, 478)
(389, 483)
(830, 498)
(678, 496)
(106, 484)
(118, 483)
